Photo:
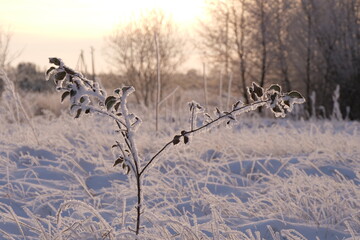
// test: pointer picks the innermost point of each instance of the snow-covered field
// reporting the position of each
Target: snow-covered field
(261, 179)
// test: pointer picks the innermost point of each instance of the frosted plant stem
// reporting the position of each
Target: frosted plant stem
(129, 139)
(138, 207)
(154, 157)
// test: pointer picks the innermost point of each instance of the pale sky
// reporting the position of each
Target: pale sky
(62, 28)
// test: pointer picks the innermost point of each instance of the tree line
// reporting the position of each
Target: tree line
(311, 45)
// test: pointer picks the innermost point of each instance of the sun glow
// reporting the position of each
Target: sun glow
(88, 18)
(43, 28)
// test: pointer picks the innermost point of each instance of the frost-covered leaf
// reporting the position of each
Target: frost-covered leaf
(236, 105)
(231, 117)
(295, 94)
(60, 76)
(110, 104)
(78, 113)
(117, 90)
(109, 98)
(292, 98)
(49, 72)
(135, 125)
(73, 92)
(191, 106)
(253, 96)
(195, 106)
(186, 139)
(64, 95)
(255, 92)
(176, 139)
(73, 106)
(117, 105)
(277, 109)
(217, 112)
(287, 103)
(55, 61)
(119, 160)
(208, 116)
(275, 87)
(273, 97)
(259, 91)
(125, 89)
(77, 84)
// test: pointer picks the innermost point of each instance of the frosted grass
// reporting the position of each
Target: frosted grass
(261, 179)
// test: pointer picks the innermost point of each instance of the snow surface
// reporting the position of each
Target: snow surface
(261, 179)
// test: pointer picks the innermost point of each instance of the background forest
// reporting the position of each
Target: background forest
(309, 45)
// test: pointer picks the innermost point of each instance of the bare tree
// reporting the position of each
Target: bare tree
(304, 42)
(215, 34)
(313, 44)
(282, 21)
(332, 51)
(224, 38)
(261, 38)
(132, 50)
(5, 57)
(239, 28)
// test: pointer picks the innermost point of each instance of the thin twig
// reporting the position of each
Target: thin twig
(157, 154)
(257, 104)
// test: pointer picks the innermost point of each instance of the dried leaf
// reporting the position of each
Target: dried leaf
(125, 89)
(295, 94)
(117, 105)
(64, 95)
(73, 93)
(109, 98)
(277, 109)
(176, 139)
(119, 160)
(117, 90)
(275, 87)
(48, 72)
(259, 91)
(78, 113)
(60, 76)
(110, 104)
(55, 61)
